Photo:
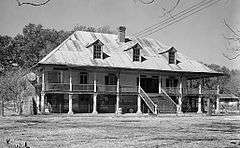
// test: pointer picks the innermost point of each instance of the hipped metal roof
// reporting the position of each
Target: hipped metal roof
(74, 51)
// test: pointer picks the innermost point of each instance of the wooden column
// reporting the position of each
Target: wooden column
(118, 94)
(95, 94)
(43, 92)
(179, 110)
(70, 111)
(218, 100)
(200, 99)
(159, 85)
(139, 98)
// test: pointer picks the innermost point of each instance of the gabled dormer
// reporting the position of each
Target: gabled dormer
(135, 52)
(97, 49)
(172, 56)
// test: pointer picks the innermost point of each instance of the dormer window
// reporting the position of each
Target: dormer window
(136, 54)
(171, 57)
(97, 51)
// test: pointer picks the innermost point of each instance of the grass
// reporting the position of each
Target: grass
(109, 130)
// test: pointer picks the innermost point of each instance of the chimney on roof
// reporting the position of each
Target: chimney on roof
(121, 34)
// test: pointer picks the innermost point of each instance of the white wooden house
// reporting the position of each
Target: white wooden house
(107, 73)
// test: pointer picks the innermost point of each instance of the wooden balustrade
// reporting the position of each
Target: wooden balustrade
(57, 86)
(172, 90)
(83, 87)
(106, 88)
(123, 89)
(128, 89)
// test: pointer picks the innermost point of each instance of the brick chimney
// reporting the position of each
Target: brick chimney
(121, 34)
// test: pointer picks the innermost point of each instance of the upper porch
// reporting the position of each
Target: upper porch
(88, 81)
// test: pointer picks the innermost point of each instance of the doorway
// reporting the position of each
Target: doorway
(150, 85)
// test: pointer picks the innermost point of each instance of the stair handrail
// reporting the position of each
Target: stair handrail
(155, 105)
(168, 97)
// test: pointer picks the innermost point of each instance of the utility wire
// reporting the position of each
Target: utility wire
(175, 15)
(178, 20)
(174, 19)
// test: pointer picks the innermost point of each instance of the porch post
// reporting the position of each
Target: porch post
(42, 102)
(95, 94)
(118, 93)
(159, 85)
(139, 98)
(70, 111)
(218, 100)
(43, 92)
(179, 109)
(199, 99)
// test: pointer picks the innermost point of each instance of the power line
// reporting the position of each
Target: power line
(175, 21)
(175, 15)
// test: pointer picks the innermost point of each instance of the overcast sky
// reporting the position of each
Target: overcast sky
(199, 36)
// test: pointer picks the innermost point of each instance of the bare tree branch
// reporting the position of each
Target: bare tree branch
(32, 4)
(147, 2)
(230, 28)
(233, 43)
(231, 58)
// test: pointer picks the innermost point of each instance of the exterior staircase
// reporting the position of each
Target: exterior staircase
(151, 105)
(164, 104)
(159, 103)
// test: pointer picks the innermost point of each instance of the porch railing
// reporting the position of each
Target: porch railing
(169, 98)
(57, 86)
(171, 90)
(191, 91)
(128, 88)
(209, 91)
(83, 87)
(106, 88)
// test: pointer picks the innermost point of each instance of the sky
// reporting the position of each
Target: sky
(199, 36)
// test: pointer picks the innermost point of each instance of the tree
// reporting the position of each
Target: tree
(233, 43)
(14, 87)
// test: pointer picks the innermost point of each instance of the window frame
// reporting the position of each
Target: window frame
(97, 51)
(83, 78)
(171, 57)
(136, 54)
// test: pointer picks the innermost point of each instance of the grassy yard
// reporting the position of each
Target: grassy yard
(109, 130)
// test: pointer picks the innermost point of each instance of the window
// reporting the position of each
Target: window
(54, 77)
(111, 79)
(136, 54)
(83, 77)
(171, 55)
(97, 51)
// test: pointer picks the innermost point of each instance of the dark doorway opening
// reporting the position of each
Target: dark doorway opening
(82, 103)
(149, 85)
(56, 103)
(106, 103)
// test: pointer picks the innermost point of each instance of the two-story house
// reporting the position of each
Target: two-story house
(107, 73)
